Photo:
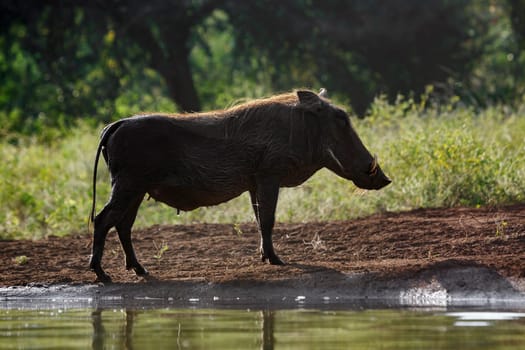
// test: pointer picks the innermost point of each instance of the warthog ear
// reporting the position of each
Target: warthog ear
(308, 99)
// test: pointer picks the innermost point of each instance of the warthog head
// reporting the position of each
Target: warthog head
(343, 151)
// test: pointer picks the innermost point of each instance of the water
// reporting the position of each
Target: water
(193, 328)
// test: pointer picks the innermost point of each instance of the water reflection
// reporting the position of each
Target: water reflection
(260, 329)
(268, 318)
(123, 337)
(99, 332)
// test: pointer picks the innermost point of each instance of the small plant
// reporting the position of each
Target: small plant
(237, 229)
(21, 260)
(160, 249)
(500, 228)
(316, 243)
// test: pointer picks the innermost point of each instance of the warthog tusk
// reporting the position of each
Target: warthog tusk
(332, 155)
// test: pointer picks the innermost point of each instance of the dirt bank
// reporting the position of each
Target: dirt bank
(441, 253)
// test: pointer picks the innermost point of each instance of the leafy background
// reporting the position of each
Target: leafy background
(435, 88)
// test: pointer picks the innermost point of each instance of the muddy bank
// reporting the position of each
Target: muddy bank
(449, 283)
(423, 257)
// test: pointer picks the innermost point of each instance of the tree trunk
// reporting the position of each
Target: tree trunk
(171, 61)
(517, 15)
(179, 80)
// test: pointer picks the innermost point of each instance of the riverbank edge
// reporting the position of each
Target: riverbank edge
(471, 286)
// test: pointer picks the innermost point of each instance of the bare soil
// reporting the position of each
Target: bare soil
(389, 246)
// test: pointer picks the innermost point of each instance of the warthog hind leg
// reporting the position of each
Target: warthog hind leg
(124, 234)
(117, 211)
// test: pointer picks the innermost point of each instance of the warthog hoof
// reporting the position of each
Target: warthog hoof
(94, 266)
(140, 271)
(102, 277)
(273, 259)
(137, 267)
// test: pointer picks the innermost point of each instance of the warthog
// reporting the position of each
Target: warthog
(203, 159)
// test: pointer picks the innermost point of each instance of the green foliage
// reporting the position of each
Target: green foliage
(455, 157)
(63, 64)
(53, 77)
(68, 69)
(498, 73)
(436, 155)
(45, 186)
(223, 79)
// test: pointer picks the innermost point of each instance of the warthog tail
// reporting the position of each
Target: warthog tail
(104, 136)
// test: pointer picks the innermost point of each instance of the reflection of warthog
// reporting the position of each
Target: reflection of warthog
(203, 159)
(115, 331)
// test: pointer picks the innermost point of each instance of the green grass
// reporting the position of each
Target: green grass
(438, 156)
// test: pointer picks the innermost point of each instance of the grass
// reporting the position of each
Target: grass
(436, 156)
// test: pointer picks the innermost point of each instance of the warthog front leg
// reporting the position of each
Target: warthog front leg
(264, 202)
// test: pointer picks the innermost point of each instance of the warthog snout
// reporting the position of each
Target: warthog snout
(378, 178)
